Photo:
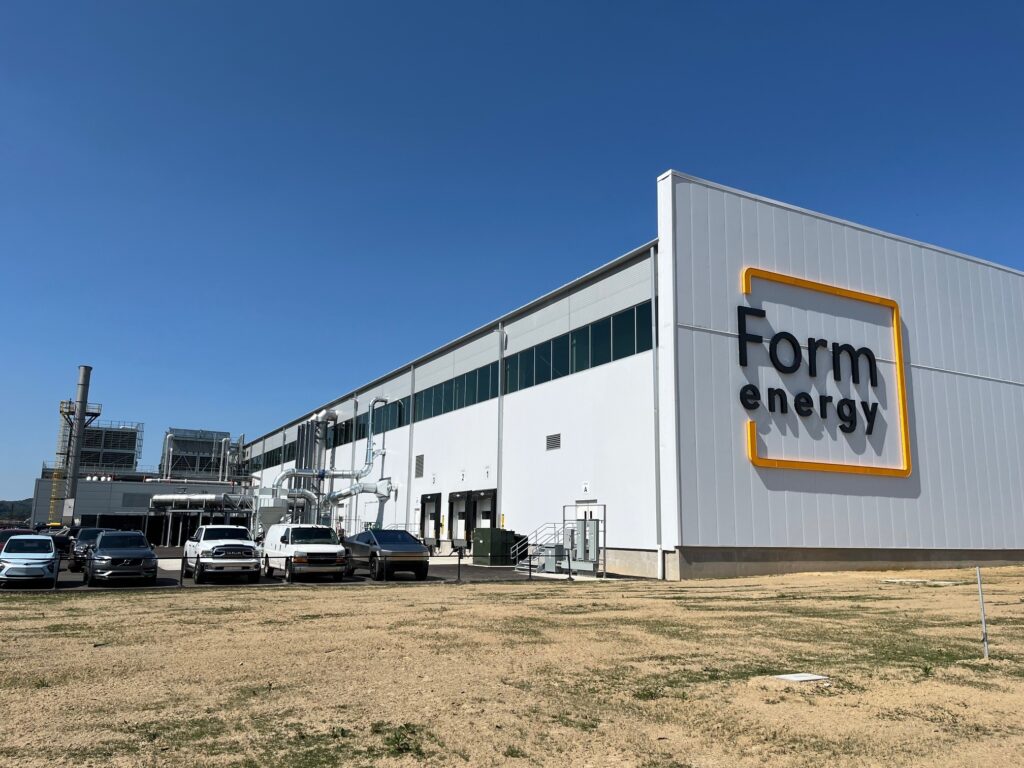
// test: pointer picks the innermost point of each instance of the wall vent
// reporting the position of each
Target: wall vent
(554, 442)
(419, 465)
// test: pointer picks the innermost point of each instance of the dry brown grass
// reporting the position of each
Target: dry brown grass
(616, 673)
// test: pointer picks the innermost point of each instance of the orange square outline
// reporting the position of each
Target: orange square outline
(746, 276)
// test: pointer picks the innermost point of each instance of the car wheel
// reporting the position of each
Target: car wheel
(267, 570)
(254, 577)
(338, 576)
(377, 568)
(151, 580)
(421, 572)
(198, 574)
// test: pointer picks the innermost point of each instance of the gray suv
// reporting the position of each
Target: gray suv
(120, 555)
(80, 548)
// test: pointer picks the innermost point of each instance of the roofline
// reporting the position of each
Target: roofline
(616, 264)
(844, 222)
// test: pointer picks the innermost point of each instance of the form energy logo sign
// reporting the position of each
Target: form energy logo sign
(834, 385)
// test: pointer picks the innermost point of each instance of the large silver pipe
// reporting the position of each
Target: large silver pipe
(304, 493)
(370, 453)
(167, 454)
(222, 474)
(382, 489)
(341, 474)
(78, 429)
(170, 498)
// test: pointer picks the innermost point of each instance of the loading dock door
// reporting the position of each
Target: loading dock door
(430, 519)
(481, 514)
(457, 503)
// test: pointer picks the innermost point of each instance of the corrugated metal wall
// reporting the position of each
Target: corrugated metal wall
(965, 383)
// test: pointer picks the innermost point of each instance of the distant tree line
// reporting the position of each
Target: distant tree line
(15, 510)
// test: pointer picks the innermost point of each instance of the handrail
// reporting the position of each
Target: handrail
(542, 536)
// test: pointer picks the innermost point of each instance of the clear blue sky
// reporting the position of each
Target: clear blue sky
(200, 198)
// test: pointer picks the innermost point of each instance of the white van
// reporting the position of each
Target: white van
(298, 550)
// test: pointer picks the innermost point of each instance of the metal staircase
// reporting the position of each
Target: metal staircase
(575, 545)
(535, 550)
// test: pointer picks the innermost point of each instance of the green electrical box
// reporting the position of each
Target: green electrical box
(493, 546)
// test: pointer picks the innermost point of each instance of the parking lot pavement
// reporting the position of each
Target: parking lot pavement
(168, 577)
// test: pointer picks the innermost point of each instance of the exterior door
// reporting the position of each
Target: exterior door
(481, 513)
(457, 519)
(430, 519)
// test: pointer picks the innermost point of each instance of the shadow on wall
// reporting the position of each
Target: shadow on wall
(845, 484)
(814, 426)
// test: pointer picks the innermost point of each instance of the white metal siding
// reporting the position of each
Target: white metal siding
(965, 384)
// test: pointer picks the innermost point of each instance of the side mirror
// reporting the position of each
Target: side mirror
(284, 539)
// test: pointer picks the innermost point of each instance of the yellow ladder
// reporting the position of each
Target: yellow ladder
(56, 496)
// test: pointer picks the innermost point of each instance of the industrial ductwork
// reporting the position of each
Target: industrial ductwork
(382, 489)
(223, 474)
(338, 474)
(225, 499)
(167, 454)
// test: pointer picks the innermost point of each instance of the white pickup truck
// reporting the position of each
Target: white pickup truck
(221, 550)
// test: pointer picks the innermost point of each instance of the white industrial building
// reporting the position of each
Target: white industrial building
(807, 393)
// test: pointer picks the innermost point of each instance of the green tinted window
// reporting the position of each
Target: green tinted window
(600, 342)
(560, 357)
(460, 391)
(483, 384)
(526, 368)
(511, 374)
(542, 362)
(624, 334)
(643, 327)
(471, 388)
(447, 395)
(436, 393)
(493, 370)
(579, 341)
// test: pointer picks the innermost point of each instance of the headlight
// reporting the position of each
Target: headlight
(299, 557)
(206, 553)
(102, 558)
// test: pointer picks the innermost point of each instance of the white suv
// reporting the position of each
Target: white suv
(221, 550)
(303, 549)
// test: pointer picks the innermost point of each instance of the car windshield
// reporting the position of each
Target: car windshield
(88, 535)
(17, 546)
(123, 540)
(314, 536)
(394, 537)
(219, 534)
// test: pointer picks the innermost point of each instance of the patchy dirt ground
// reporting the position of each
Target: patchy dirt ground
(547, 673)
